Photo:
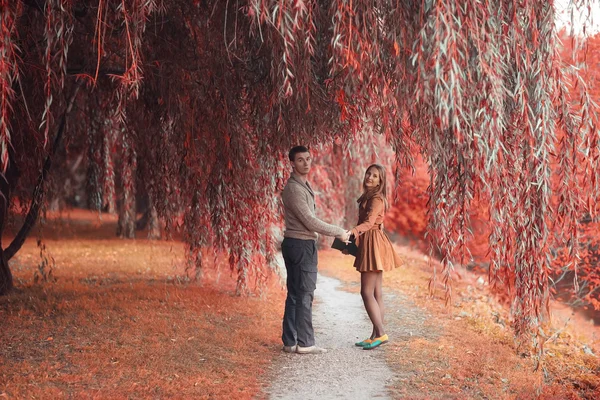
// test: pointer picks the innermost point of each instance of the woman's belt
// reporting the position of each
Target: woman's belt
(376, 227)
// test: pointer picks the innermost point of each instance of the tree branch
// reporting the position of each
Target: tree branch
(36, 4)
(108, 71)
(38, 192)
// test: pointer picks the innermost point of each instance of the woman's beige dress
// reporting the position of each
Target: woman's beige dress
(375, 250)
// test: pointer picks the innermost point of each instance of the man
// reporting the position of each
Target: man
(299, 250)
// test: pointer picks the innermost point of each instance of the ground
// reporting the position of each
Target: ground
(345, 371)
(121, 319)
(466, 350)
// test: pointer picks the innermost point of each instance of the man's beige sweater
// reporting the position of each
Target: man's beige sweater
(300, 220)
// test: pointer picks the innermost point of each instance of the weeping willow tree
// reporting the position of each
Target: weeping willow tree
(197, 102)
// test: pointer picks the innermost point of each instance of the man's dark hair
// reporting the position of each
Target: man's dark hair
(296, 150)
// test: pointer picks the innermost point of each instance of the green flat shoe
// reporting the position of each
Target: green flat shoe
(376, 342)
(363, 343)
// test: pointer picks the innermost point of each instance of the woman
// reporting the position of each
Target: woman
(375, 251)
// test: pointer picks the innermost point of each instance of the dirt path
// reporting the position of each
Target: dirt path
(345, 371)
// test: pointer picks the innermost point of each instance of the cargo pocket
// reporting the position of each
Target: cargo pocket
(292, 254)
(308, 278)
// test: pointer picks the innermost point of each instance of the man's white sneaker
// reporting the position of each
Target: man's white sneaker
(310, 350)
(290, 349)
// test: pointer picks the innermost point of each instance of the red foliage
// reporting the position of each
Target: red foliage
(210, 96)
(408, 214)
(8, 74)
(575, 248)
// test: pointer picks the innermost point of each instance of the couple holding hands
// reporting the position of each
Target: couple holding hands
(374, 253)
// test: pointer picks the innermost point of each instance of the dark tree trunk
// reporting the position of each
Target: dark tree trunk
(149, 219)
(153, 223)
(109, 169)
(93, 184)
(126, 224)
(6, 281)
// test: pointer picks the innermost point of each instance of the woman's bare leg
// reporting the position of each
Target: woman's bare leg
(379, 299)
(379, 295)
(368, 282)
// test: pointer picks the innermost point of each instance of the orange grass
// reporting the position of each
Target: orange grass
(123, 321)
(475, 355)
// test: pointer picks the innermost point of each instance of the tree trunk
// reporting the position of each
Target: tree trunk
(109, 169)
(93, 185)
(38, 192)
(149, 218)
(153, 223)
(126, 224)
(6, 279)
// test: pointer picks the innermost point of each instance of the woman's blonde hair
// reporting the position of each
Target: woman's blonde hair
(381, 189)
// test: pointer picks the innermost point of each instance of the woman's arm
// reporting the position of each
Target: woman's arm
(375, 207)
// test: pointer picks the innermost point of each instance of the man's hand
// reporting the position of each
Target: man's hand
(345, 237)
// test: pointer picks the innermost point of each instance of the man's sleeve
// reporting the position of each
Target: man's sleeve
(298, 204)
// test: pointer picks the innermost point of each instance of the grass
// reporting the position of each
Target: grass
(473, 355)
(121, 320)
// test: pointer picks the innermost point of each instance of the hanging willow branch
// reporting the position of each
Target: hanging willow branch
(8, 75)
(212, 94)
